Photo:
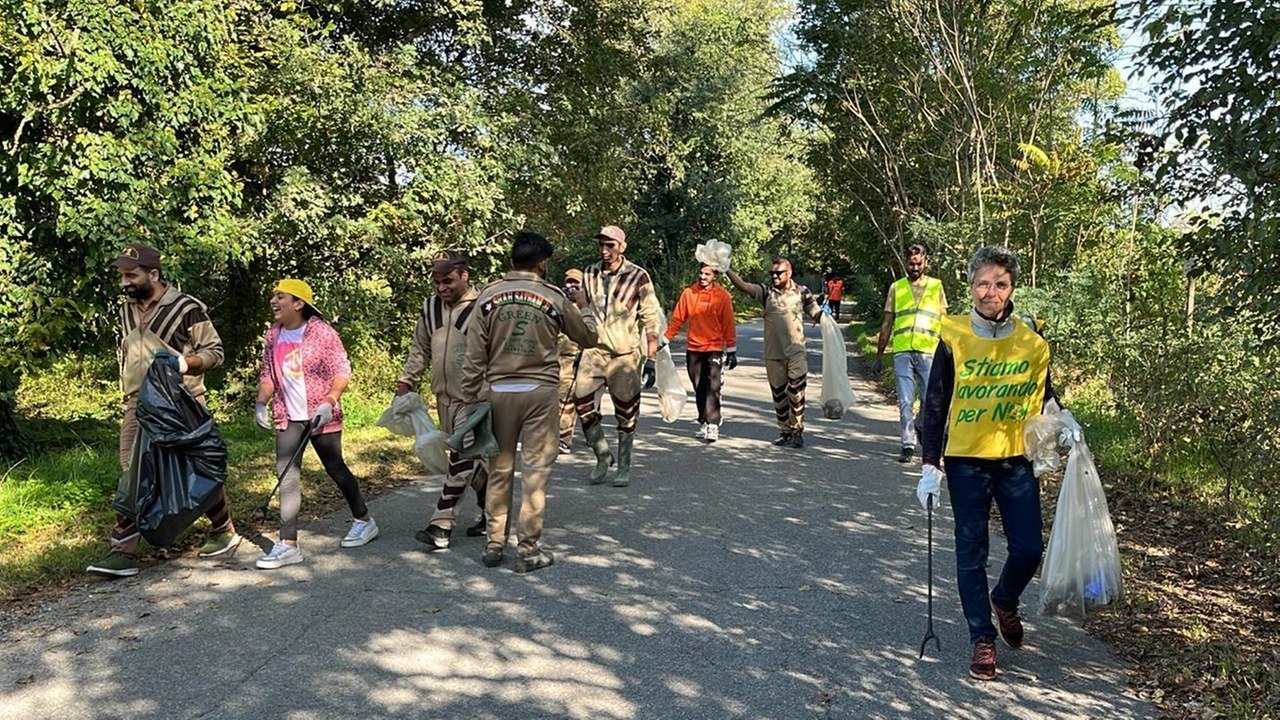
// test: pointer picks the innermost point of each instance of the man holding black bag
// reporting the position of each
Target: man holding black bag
(159, 322)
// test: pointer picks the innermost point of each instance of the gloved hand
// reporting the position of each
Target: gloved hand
(877, 366)
(930, 485)
(261, 416)
(731, 359)
(826, 309)
(1071, 433)
(177, 362)
(323, 415)
(649, 376)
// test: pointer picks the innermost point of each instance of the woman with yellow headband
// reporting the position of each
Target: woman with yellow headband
(304, 373)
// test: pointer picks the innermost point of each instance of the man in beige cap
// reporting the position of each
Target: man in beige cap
(570, 353)
(623, 297)
(439, 340)
(512, 349)
(157, 321)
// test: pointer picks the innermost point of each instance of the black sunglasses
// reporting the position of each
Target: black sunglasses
(779, 272)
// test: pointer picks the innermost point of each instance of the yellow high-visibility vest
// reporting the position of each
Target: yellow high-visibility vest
(917, 326)
(999, 385)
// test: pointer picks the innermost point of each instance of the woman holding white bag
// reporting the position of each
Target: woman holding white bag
(990, 375)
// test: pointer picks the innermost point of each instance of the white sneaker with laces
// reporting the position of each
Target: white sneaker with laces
(361, 532)
(280, 555)
(713, 433)
(702, 431)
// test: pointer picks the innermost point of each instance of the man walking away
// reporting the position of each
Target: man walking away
(513, 349)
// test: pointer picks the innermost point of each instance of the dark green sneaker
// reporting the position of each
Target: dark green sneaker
(115, 564)
(536, 561)
(223, 543)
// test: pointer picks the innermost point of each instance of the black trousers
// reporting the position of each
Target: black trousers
(705, 372)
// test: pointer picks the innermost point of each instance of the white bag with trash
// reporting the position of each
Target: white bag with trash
(714, 253)
(408, 416)
(1082, 563)
(671, 393)
(837, 393)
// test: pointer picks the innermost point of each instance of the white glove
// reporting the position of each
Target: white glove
(930, 485)
(323, 415)
(261, 417)
(1071, 433)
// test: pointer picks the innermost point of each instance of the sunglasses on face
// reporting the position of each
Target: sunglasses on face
(776, 273)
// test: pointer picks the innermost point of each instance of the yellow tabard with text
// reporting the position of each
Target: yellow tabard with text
(999, 384)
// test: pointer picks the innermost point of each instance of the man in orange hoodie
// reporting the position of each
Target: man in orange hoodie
(711, 344)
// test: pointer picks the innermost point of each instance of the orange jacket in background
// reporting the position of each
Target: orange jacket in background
(835, 289)
(710, 316)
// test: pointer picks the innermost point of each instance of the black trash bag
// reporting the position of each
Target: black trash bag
(179, 460)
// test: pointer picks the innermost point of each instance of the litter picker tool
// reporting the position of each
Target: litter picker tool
(928, 634)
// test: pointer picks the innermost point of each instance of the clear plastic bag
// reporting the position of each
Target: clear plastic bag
(1082, 563)
(837, 393)
(1040, 443)
(408, 416)
(714, 253)
(671, 392)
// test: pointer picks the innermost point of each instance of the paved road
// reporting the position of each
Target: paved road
(736, 580)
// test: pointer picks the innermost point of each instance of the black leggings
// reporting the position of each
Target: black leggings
(328, 448)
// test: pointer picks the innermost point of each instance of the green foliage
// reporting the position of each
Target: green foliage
(1216, 68)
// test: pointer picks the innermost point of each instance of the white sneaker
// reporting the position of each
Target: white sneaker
(702, 431)
(361, 532)
(280, 556)
(713, 433)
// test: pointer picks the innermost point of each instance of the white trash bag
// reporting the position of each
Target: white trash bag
(1040, 443)
(837, 393)
(671, 392)
(1082, 563)
(714, 253)
(408, 416)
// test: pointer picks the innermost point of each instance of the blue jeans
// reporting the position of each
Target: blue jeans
(910, 368)
(972, 484)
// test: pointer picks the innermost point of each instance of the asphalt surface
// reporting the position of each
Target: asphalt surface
(734, 580)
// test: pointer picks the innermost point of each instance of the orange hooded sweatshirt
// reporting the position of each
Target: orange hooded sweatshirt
(709, 313)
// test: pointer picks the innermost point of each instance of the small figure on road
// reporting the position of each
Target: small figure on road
(786, 304)
(913, 318)
(570, 356)
(159, 321)
(622, 296)
(834, 287)
(990, 375)
(711, 344)
(305, 370)
(513, 350)
(439, 340)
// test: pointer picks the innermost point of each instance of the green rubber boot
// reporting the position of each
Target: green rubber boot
(604, 458)
(623, 476)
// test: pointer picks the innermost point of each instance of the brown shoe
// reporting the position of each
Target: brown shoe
(983, 664)
(1008, 624)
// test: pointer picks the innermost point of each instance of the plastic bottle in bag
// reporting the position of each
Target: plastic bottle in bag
(1082, 563)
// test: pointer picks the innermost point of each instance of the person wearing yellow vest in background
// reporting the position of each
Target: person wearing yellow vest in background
(990, 375)
(913, 319)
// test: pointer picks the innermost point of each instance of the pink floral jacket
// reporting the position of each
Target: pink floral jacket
(323, 359)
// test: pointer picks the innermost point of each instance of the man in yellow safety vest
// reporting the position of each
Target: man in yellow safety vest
(913, 319)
